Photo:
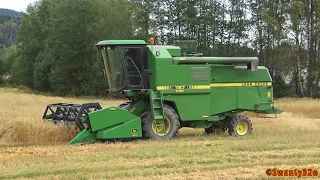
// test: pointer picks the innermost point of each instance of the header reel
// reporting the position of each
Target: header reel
(66, 113)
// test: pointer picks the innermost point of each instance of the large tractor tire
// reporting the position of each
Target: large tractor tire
(169, 128)
(240, 126)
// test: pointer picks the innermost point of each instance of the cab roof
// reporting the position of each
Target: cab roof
(121, 42)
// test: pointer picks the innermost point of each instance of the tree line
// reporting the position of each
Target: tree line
(9, 26)
(56, 52)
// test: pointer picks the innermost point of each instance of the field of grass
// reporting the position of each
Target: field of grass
(31, 149)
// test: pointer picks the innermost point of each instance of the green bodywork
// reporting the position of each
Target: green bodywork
(203, 91)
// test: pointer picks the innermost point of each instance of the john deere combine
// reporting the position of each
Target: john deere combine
(170, 87)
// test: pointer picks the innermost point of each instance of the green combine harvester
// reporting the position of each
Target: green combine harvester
(169, 87)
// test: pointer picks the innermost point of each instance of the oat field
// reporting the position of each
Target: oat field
(31, 149)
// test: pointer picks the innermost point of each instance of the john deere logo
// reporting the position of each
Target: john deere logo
(134, 131)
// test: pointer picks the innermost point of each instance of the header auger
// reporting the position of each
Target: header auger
(169, 89)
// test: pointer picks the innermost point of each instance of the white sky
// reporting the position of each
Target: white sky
(18, 5)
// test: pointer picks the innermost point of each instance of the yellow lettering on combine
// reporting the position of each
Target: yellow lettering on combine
(239, 84)
(261, 84)
(201, 87)
(247, 84)
(181, 90)
(244, 84)
(180, 87)
(161, 87)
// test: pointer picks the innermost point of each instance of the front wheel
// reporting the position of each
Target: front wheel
(240, 126)
(162, 129)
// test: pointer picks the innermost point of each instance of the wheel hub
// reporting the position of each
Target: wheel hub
(161, 127)
(242, 128)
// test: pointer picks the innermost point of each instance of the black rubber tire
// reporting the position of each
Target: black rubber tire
(170, 113)
(215, 130)
(236, 120)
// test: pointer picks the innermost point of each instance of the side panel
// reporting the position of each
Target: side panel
(192, 106)
(108, 117)
(188, 87)
(238, 88)
(177, 75)
(157, 57)
(223, 99)
(249, 97)
(129, 129)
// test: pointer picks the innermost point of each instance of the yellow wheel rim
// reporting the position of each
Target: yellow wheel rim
(242, 128)
(161, 127)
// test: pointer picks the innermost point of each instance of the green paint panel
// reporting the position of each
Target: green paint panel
(223, 99)
(108, 117)
(192, 107)
(139, 106)
(129, 129)
(183, 75)
(199, 73)
(249, 97)
(155, 61)
(84, 135)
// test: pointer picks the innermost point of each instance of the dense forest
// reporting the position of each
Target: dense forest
(55, 51)
(9, 26)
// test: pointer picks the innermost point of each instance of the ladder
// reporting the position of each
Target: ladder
(156, 102)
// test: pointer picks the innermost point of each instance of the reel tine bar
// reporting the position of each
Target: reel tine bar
(70, 113)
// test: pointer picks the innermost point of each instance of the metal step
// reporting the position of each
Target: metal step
(156, 105)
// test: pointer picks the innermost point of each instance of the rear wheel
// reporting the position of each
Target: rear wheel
(166, 128)
(240, 126)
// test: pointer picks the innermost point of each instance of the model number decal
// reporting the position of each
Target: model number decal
(183, 87)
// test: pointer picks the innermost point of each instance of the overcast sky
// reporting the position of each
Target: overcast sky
(18, 5)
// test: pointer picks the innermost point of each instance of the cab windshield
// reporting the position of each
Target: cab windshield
(122, 67)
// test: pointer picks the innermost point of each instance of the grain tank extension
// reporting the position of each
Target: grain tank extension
(168, 89)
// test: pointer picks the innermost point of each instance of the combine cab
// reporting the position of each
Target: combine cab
(168, 88)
